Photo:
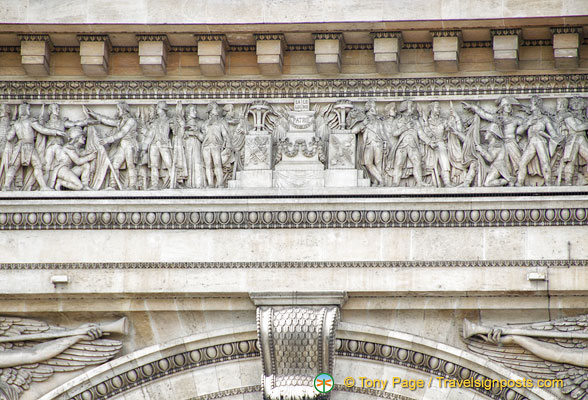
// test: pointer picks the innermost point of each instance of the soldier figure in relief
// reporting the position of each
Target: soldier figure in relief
(159, 143)
(24, 152)
(507, 123)
(216, 137)
(495, 154)
(438, 128)
(409, 131)
(573, 127)
(125, 132)
(540, 130)
(55, 121)
(5, 123)
(374, 143)
(72, 169)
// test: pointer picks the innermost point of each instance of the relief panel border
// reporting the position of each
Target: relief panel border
(293, 88)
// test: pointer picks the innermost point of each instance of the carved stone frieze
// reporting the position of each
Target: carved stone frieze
(253, 89)
(292, 219)
(405, 142)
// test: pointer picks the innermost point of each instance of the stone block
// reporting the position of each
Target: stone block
(270, 53)
(566, 40)
(387, 51)
(212, 55)
(94, 54)
(262, 178)
(341, 178)
(566, 44)
(328, 48)
(506, 52)
(153, 51)
(35, 51)
(446, 47)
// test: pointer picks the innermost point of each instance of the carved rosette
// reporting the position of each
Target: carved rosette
(297, 343)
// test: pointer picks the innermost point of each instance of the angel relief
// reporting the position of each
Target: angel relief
(545, 350)
(32, 351)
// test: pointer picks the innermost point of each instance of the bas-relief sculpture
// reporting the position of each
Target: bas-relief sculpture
(32, 351)
(546, 350)
(404, 143)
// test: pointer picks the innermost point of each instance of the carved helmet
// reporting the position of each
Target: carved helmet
(74, 133)
(494, 129)
(578, 103)
(506, 100)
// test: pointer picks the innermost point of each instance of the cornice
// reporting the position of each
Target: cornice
(297, 265)
(291, 88)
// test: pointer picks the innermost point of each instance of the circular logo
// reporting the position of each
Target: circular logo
(323, 383)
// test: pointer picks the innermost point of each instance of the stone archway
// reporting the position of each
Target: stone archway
(226, 363)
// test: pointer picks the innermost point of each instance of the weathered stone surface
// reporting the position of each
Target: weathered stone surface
(35, 51)
(95, 54)
(211, 56)
(446, 47)
(153, 54)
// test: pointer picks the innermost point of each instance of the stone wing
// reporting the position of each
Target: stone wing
(514, 358)
(13, 326)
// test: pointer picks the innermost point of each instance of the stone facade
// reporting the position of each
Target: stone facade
(222, 202)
